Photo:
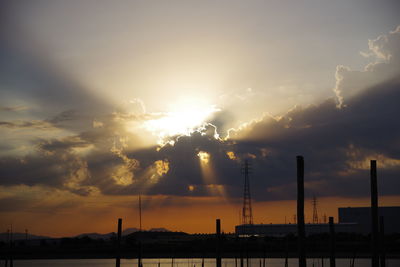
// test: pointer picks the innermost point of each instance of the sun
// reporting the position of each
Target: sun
(184, 118)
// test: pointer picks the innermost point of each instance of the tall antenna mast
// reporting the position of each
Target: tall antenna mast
(315, 212)
(140, 213)
(247, 213)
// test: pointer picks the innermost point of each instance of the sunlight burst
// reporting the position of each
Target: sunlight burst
(184, 119)
(204, 157)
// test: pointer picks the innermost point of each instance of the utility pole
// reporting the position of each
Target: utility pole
(140, 213)
(300, 212)
(332, 243)
(218, 236)
(118, 258)
(374, 216)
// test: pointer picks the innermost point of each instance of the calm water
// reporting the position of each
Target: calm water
(190, 263)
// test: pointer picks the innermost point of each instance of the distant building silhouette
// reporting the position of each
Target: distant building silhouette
(351, 220)
(285, 229)
(362, 216)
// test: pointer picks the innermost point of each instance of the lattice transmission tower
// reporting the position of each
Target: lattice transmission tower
(247, 213)
(315, 212)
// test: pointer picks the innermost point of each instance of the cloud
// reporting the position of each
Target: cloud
(101, 154)
(34, 124)
(13, 108)
(325, 134)
(386, 52)
(65, 144)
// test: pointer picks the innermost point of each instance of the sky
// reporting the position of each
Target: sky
(103, 101)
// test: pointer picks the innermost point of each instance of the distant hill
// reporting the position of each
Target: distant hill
(96, 235)
(125, 232)
(128, 231)
(21, 236)
(159, 230)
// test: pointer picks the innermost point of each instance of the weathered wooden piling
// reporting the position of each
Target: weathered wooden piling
(11, 247)
(286, 251)
(140, 254)
(300, 212)
(374, 216)
(218, 236)
(118, 256)
(241, 257)
(382, 239)
(264, 256)
(332, 245)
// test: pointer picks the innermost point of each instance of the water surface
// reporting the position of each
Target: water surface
(191, 263)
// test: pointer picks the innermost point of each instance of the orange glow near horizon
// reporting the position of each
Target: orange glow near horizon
(188, 214)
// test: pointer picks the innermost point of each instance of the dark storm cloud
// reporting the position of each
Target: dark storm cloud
(327, 137)
(337, 145)
(332, 140)
(78, 163)
(336, 141)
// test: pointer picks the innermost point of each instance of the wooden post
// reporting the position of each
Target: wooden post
(286, 251)
(11, 247)
(300, 212)
(374, 216)
(218, 235)
(118, 258)
(9, 243)
(382, 235)
(332, 245)
(264, 256)
(241, 257)
(140, 254)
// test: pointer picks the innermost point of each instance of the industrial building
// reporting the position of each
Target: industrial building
(351, 220)
(285, 229)
(362, 216)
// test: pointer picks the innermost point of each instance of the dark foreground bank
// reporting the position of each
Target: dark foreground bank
(183, 245)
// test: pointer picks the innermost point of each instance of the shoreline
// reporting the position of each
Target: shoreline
(343, 255)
